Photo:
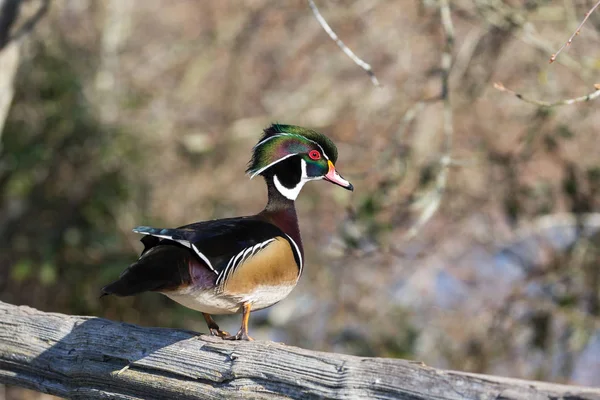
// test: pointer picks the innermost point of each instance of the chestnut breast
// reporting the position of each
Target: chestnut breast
(273, 266)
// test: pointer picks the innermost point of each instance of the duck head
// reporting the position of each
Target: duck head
(289, 156)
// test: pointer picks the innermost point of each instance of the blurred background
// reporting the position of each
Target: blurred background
(477, 254)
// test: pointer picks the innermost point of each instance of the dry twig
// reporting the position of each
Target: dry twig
(577, 31)
(499, 86)
(515, 21)
(338, 41)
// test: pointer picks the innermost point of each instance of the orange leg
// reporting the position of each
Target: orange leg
(213, 327)
(243, 332)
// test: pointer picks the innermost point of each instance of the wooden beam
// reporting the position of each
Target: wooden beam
(91, 358)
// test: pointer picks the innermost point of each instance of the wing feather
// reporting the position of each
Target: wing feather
(220, 244)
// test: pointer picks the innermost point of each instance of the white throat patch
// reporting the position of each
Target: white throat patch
(292, 193)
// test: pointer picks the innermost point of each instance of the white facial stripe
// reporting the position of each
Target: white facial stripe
(319, 146)
(303, 169)
(322, 151)
(292, 194)
(281, 135)
(283, 158)
(269, 138)
(270, 165)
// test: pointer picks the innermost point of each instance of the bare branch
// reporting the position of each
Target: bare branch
(432, 200)
(446, 66)
(577, 31)
(409, 117)
(499, 86)
(503, 16)
(338, 41)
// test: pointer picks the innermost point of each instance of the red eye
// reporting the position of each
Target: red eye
(314, 154)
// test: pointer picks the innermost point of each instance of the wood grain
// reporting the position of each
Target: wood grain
(93, 358)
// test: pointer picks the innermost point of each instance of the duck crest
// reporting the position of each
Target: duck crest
(280, 142)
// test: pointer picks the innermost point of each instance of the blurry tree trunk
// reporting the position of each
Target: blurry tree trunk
(9, 50)
(88, 358)
(9, 58)
(9, 10)
(9, 63)
(117, 21)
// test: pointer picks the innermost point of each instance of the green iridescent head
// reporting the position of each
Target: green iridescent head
(294, 155)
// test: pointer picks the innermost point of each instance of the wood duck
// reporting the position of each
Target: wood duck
(233, 265)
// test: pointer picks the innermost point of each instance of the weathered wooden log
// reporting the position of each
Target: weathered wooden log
(90, 358)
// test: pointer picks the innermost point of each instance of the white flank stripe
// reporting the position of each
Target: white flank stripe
(183, 242)
(246, 254)
(186, 244)
(239, 258)
(297, 252)
(224, 272)
(204, 258)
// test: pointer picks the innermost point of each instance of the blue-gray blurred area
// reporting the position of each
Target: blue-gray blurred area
(122, 113)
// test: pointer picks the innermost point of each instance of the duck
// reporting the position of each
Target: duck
(240, 264)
